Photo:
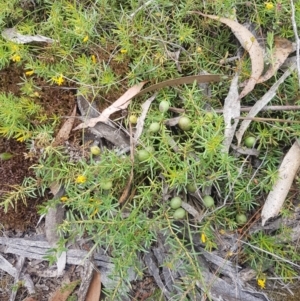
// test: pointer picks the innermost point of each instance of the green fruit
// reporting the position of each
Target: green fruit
(179, 213)
(175, 202)
(208, 201)
(191, 187)
(133, 119)
(154, 127)
(150, 149)
(250, 141)
(209, 116)
(6, 156)
(95, 150)
(164, 106)
(241, 218)
(143, 155)
(184, 123)
(107, 185)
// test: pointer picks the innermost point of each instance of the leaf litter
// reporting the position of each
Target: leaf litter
(135, 91)
(250, 44)
(12, 35)
(260, 104)
(286, 174)
(282, 49)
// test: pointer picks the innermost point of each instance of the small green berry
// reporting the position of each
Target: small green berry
(191, 187)
(209, 116)
(6, 156)
(143, 155)
(164, 106)
(179, 213)
(133, 119)
(241, 219)
(154, 127)
(95, 150)
(175, 202)
(150, 149)
(184, 123)
(250, 141)
(208, 201)
(107, 185)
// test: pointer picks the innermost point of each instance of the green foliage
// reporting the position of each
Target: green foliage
(102, 46)
(16, 115)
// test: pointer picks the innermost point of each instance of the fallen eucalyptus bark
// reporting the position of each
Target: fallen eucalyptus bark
(17, 274)
(19, 267)
(212, 284)
(86, 279)
(38, 249)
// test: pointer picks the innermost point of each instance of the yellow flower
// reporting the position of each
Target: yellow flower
(199, 49)
(64, 198)
(85, 39)
(80, 179)
(93, 57)
(123, 51)
(261, 282)
(203, 238)
(269, 5)
(16, 58)
(58, 79)
(29, 72)
(15, 48)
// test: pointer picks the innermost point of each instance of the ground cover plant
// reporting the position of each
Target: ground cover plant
(176, 185)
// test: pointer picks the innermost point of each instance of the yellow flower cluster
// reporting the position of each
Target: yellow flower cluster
(261, 282)
(64, 198)
(58, 79)
(203, 238)
(269, 5)
(16, 58)
(94, 60)
(29, 72)
(80, 179)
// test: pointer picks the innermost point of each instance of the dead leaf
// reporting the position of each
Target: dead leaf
(250, 44)
(232, 107)
(62, 293)
(191, 210)
(64, 132)
(93, 293)
(280, 189)
(12, 35)
(282, 49)
(172, 121)
(181, 81)
(29, 299)
(168, 83)
(120, 104)
(141, 120)
(262, 103)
